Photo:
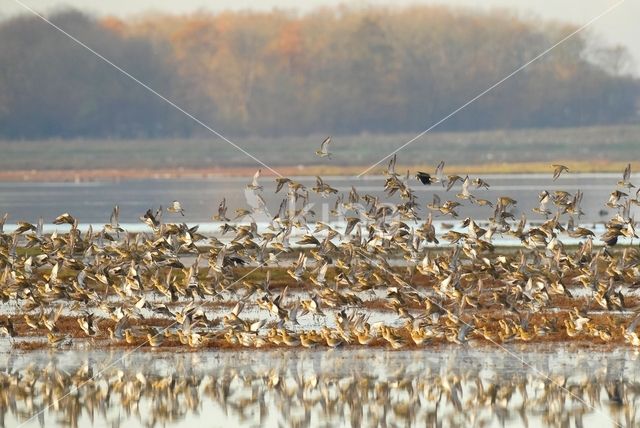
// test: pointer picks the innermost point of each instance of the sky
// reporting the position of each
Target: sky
(619, 27)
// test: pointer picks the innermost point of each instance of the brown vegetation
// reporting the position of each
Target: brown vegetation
(338, 71)
(113, 174)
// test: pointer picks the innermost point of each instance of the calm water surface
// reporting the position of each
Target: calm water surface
(92, 202)
(450, 387)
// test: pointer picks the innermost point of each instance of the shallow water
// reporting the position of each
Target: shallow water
(92, 202)
(458, 386)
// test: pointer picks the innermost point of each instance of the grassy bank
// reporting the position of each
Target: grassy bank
(592, 149)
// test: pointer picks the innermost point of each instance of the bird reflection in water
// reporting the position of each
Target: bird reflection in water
(453, 388)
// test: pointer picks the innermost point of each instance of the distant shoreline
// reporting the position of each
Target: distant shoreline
(587, 149)
(119, 174)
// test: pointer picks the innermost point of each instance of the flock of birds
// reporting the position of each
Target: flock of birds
(287, 389)
(381, 275)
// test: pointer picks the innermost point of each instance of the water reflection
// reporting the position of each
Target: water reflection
(457, 387)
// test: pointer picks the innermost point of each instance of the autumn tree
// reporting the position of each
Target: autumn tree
(331, 71)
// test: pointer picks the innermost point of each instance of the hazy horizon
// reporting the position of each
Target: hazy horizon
(619, 27)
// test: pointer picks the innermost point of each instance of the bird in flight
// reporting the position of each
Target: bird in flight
(428, 179)
(557, 170)
(176, 207)
(254, 183)
(424, 177)
(323, 152)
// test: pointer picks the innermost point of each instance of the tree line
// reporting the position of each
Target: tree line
(331, 71)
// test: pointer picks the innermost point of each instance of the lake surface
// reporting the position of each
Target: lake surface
(446, 387)
(92, 202)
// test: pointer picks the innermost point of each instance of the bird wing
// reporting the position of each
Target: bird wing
(222, 208)
(238, 308)
(558, 169)
(627, 173)
(115, 217)
(634, 324)
(325, 143)
(391, 169)
(452, 180)
(220, 258)
(322, 272)
(439, 172)
(465, 186)
(255, 178)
